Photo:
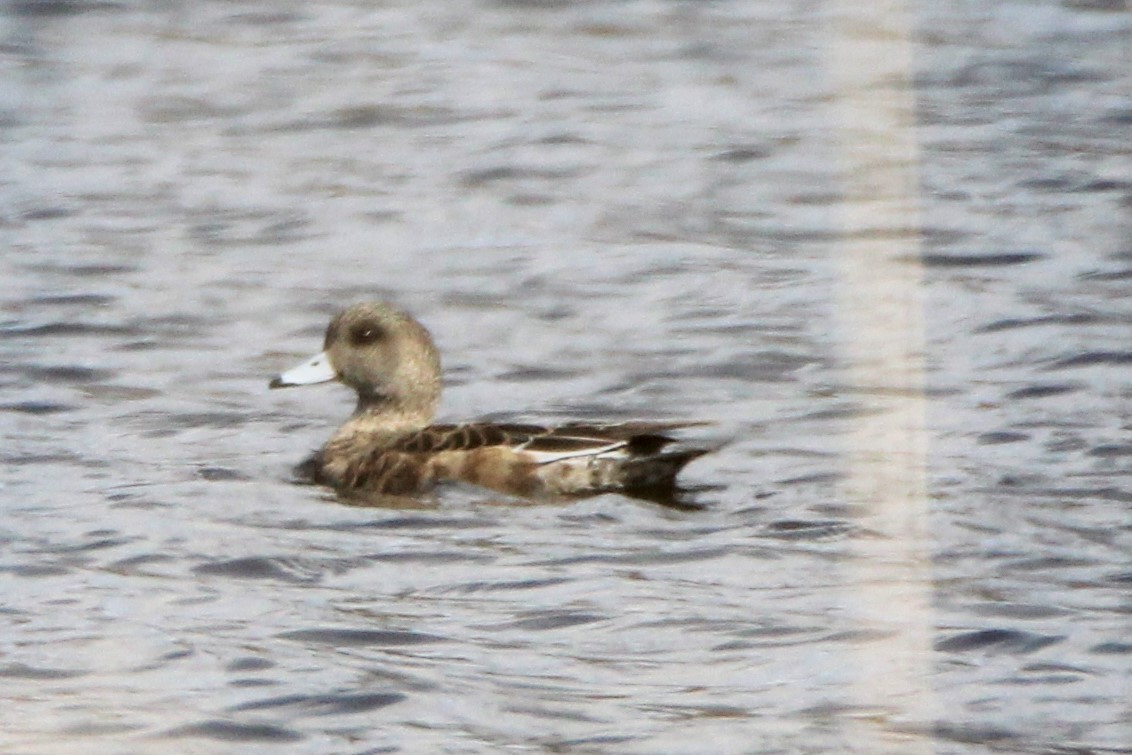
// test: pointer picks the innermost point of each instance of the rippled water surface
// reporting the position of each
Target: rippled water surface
(884, 248)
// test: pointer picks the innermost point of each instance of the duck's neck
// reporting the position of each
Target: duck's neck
(386, 415)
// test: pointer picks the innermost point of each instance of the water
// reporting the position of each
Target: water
(886, 252)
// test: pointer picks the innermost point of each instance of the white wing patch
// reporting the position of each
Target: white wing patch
(615, 449)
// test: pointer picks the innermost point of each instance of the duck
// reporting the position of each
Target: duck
(390, 445)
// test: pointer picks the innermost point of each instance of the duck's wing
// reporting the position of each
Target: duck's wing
(466, 437)
(546, 444)
(640, 438)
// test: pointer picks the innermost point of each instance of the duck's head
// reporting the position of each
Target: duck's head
(382, 353)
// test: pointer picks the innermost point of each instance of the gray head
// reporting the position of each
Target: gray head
(382, 353)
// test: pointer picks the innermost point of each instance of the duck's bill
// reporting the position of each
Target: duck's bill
(317, 369)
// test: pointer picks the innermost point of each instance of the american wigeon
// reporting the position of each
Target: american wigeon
(389, 445)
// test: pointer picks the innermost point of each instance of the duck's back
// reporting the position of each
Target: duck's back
(520, 459)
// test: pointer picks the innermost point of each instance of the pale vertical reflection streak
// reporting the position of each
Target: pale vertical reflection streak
(880, 318)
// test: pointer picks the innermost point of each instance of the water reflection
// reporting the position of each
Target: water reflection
(880, 312)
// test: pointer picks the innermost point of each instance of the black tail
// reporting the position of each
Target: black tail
(658, 472)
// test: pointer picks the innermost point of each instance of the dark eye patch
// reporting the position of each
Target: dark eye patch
(365, 333)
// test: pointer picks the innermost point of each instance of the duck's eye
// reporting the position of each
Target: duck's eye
(365, 333)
